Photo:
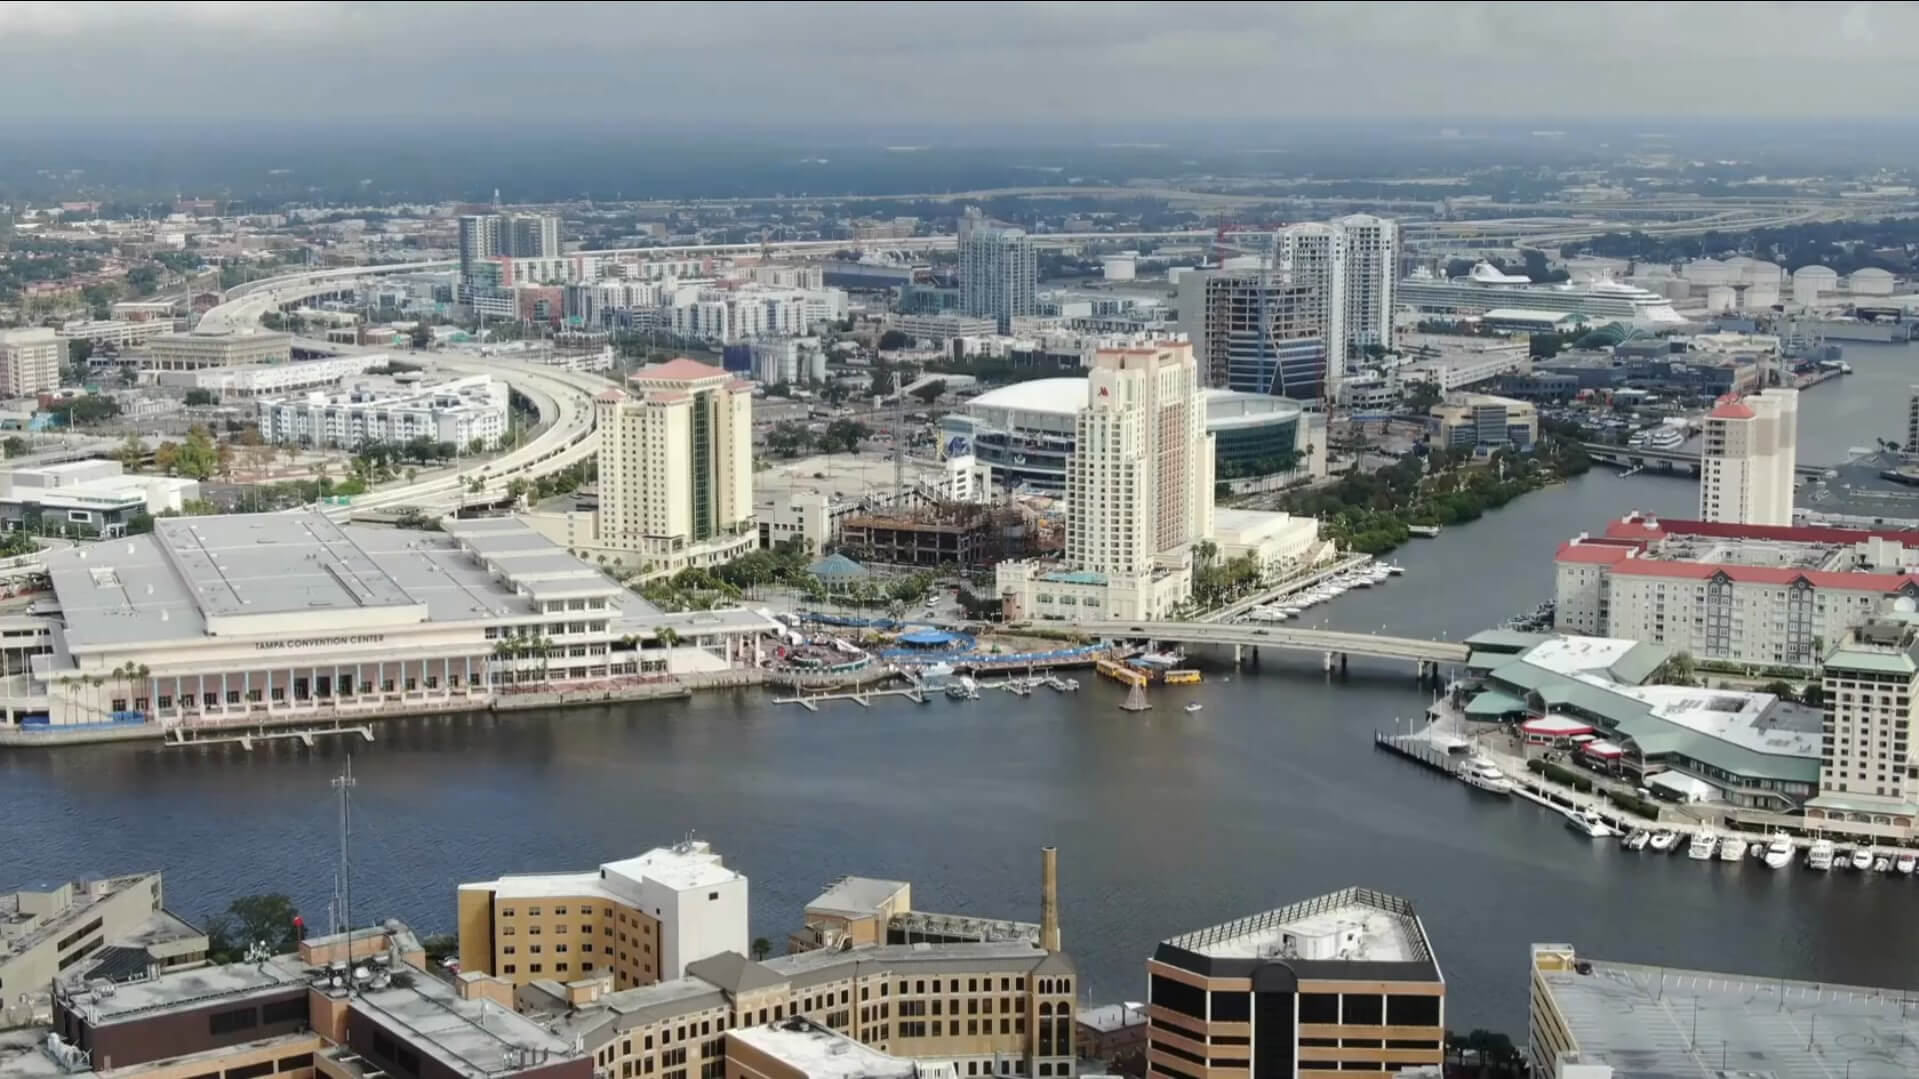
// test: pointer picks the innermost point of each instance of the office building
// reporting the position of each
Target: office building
(940, 329)
(250, 380)
(1139, 491)
(998, 271)
(1321, 988)
(1480, 420)
(1454, 363)
(220, 618)
(118, 333)
(641, 920)
(192, 351)
(1745, 594)
(1372, 279)
(460, 411)
(116, 928)
(1748, 459)
(320, 1013)
(1871, 684)
(1597, 1019)
(30, 361)
(676, 466)
(1253, 331)
(89, 498)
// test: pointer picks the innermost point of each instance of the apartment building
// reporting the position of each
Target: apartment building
(998, 271)
(1339, 983)
(460, 411)
(30, 361)
(1747, 461)
(640, 921)
(676, 466)
(1871, 685)
(1372, 277)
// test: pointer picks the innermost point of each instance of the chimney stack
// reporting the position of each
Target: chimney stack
(1049, 899)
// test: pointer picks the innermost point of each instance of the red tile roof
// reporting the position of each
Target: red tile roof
(1731, 408)
(1597, 552)
(609, 395)
(1647, 528)
(1699, 571)
(681, 369)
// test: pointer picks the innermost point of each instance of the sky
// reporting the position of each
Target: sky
(950, 65)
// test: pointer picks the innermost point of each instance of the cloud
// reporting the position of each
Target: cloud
(832, 66)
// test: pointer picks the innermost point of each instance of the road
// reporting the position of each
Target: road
(1332, 642)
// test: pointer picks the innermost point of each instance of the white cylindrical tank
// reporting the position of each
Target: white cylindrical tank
(1765, 273)
(1871, 281)
(1810, 282)
(1761, 297)
(1119, 267)
(1705, 272)
(1720, 298)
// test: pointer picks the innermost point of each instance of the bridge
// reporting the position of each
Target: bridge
(1658, 460)
(1329, 643)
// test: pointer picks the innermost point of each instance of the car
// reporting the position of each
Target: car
(1136, 629)
(1260, 633)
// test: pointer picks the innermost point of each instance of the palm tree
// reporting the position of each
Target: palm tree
(761, 948)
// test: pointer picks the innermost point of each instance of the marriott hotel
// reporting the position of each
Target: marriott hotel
(212, 621)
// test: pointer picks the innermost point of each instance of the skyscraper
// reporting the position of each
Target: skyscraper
(1313, 255)
(998, 270)
(1862, 769)
(1372, 275)
(1256, 333)
(676, 466)
(480, 239)
(1747, 463)
(485, 236)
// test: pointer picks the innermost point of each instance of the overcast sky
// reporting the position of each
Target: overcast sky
(820, 67)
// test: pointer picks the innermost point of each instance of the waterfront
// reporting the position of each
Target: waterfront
(1166, 821)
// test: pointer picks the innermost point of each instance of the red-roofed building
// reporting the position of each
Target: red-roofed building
(1746, 461)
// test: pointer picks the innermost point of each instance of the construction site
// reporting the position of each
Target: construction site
(933, 533)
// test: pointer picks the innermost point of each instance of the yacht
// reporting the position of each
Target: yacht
(1663, 438)
(1778, 851)
(1588, 824)
(1702, 846)
(1819, 855)
(1732, 848)
(1663, 840)
(1904, 863)
(1394, 569)
(1862, 858)
(1636, 839)
(1486, 776)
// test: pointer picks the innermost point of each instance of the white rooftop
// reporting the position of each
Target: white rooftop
(1060, 396)
(1571, 655)
(819, 1053)
(1728, 715)
(681, 867)
(1353, 931)
(856, 895)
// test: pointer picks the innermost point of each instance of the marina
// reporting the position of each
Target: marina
(1294, 604)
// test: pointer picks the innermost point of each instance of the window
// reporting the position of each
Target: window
(229, 1022)
(284, 1011)
(1363, 1009)
(250, 1071)
(294, 1063)
(1405, 1010)
(1319, 1007)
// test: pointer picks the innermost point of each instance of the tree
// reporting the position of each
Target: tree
(131, 453)
(198, 458)
(198, 396)
(893, 340)
(14, 446)
(166, 458)
(1423, 395)
(422, 335)
(438, 946)
(1678, 670)
(1781, 689)
(762, 948)
(250, 919)
(930, 391)
(883, 382)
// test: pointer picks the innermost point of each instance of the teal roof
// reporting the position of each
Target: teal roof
(1510, 641)
(1495, 703)
(1636, 666)
(1074, 576)
(837, 567)
(1486, 661)
(1858, 659)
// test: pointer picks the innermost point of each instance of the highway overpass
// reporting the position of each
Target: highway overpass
(1658, 460)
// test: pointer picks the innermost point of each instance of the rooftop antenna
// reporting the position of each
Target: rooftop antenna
(344, 783)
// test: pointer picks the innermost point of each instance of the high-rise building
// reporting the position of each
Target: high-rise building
(1372, 274)
(485, 236)
(30, 361)
(1315, 990)
(998, 270)
(1139, 492)
(1313, 255)
(1255, 333)
(480, 239)
(676, 466)
(1746, 466)
(1871, 684)
(1912, 422)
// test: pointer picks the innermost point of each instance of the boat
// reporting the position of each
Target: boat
(1904, 864)
(956, 691)
(1664, 438)
(1423, 531)
(1862, 858)
(1486, 776)
(1071, 684)
(1588, 824)
(1819, 855)
(1757, 850)
(1702, 846)
(1732, 848)
(1663, 840)
(1882, 864)
(1395, 569)
(1194, 706)
(1778, 851)
(1636, 839)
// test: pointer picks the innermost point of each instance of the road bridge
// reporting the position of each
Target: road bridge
(1334, 645)
(1651, 459)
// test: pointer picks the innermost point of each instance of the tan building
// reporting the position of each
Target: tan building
(30, 361)
(641, 920)
(193, 351)
(799, 1048)
(676, 468)
(1469, 420)
(1345, 982)
(117, 926)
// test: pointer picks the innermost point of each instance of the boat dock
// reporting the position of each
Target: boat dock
(247, 739)
(862, 697)
(1422, 749)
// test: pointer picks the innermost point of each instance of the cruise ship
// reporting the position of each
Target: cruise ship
(1487, 288)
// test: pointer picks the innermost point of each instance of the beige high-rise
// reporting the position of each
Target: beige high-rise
(30, 361)
(1746, 465)
(676, 464)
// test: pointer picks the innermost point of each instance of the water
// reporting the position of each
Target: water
(1166, 821)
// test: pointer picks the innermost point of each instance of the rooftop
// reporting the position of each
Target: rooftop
(819, 1053)
(1658, 1023)
(680, 867)
(1059, 396)
(19, 932)
(678, 370)
(469, 1036)
(1355, 933)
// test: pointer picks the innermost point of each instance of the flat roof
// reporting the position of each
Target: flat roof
(193, 988)
(1658, 1023)
(1353, 933)
(15, 941)
(1057, 396)
(819, 1053)
(469, 1036)
(856, 895)
(680, 867)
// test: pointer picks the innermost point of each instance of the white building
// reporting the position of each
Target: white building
(700, 904)
(794, 361)
(1315, 255)
(30, 361)
(1871, 684)
(1139, 492)
(1740, 593)
(942, 328)
(1372, 274)
(676, 469)
(271, 379)
(1279, 543)
(731, 313)
(460, 411)
(89, 498)
(1747, 462)
(116, 332)
(1453, 363)
(998, 271)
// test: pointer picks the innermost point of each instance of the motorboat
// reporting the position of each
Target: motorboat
(1757, 850)
(1904, 864)
(1395, 569)
(1819, 856)
(1862, 858)
(1882, 864)
(1486, 776)
(956, 691)
(1636, 839)
(1702, 846)
(1587, 823)
(1194, 706)
(1663, 840)
(1778, 851)
(1732, 848)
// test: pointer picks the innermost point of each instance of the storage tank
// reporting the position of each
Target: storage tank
(1810, 282)
(1704, 272)
(1763, 274)
(1720, 299)
(1762, 297)
(1120, 267)
(1871, 281)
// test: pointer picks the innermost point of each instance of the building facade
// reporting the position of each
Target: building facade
(1372, 278)
(118, 333)
(192, 351)
(30, 361)
(64, 931)
(1871, 685)
(998, 271)
(90, 498)
(676, 465)
(641, 920)
(1474, 420)
(1747, 462)
(1256, 333)
(1321, 988)
(461, 411)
